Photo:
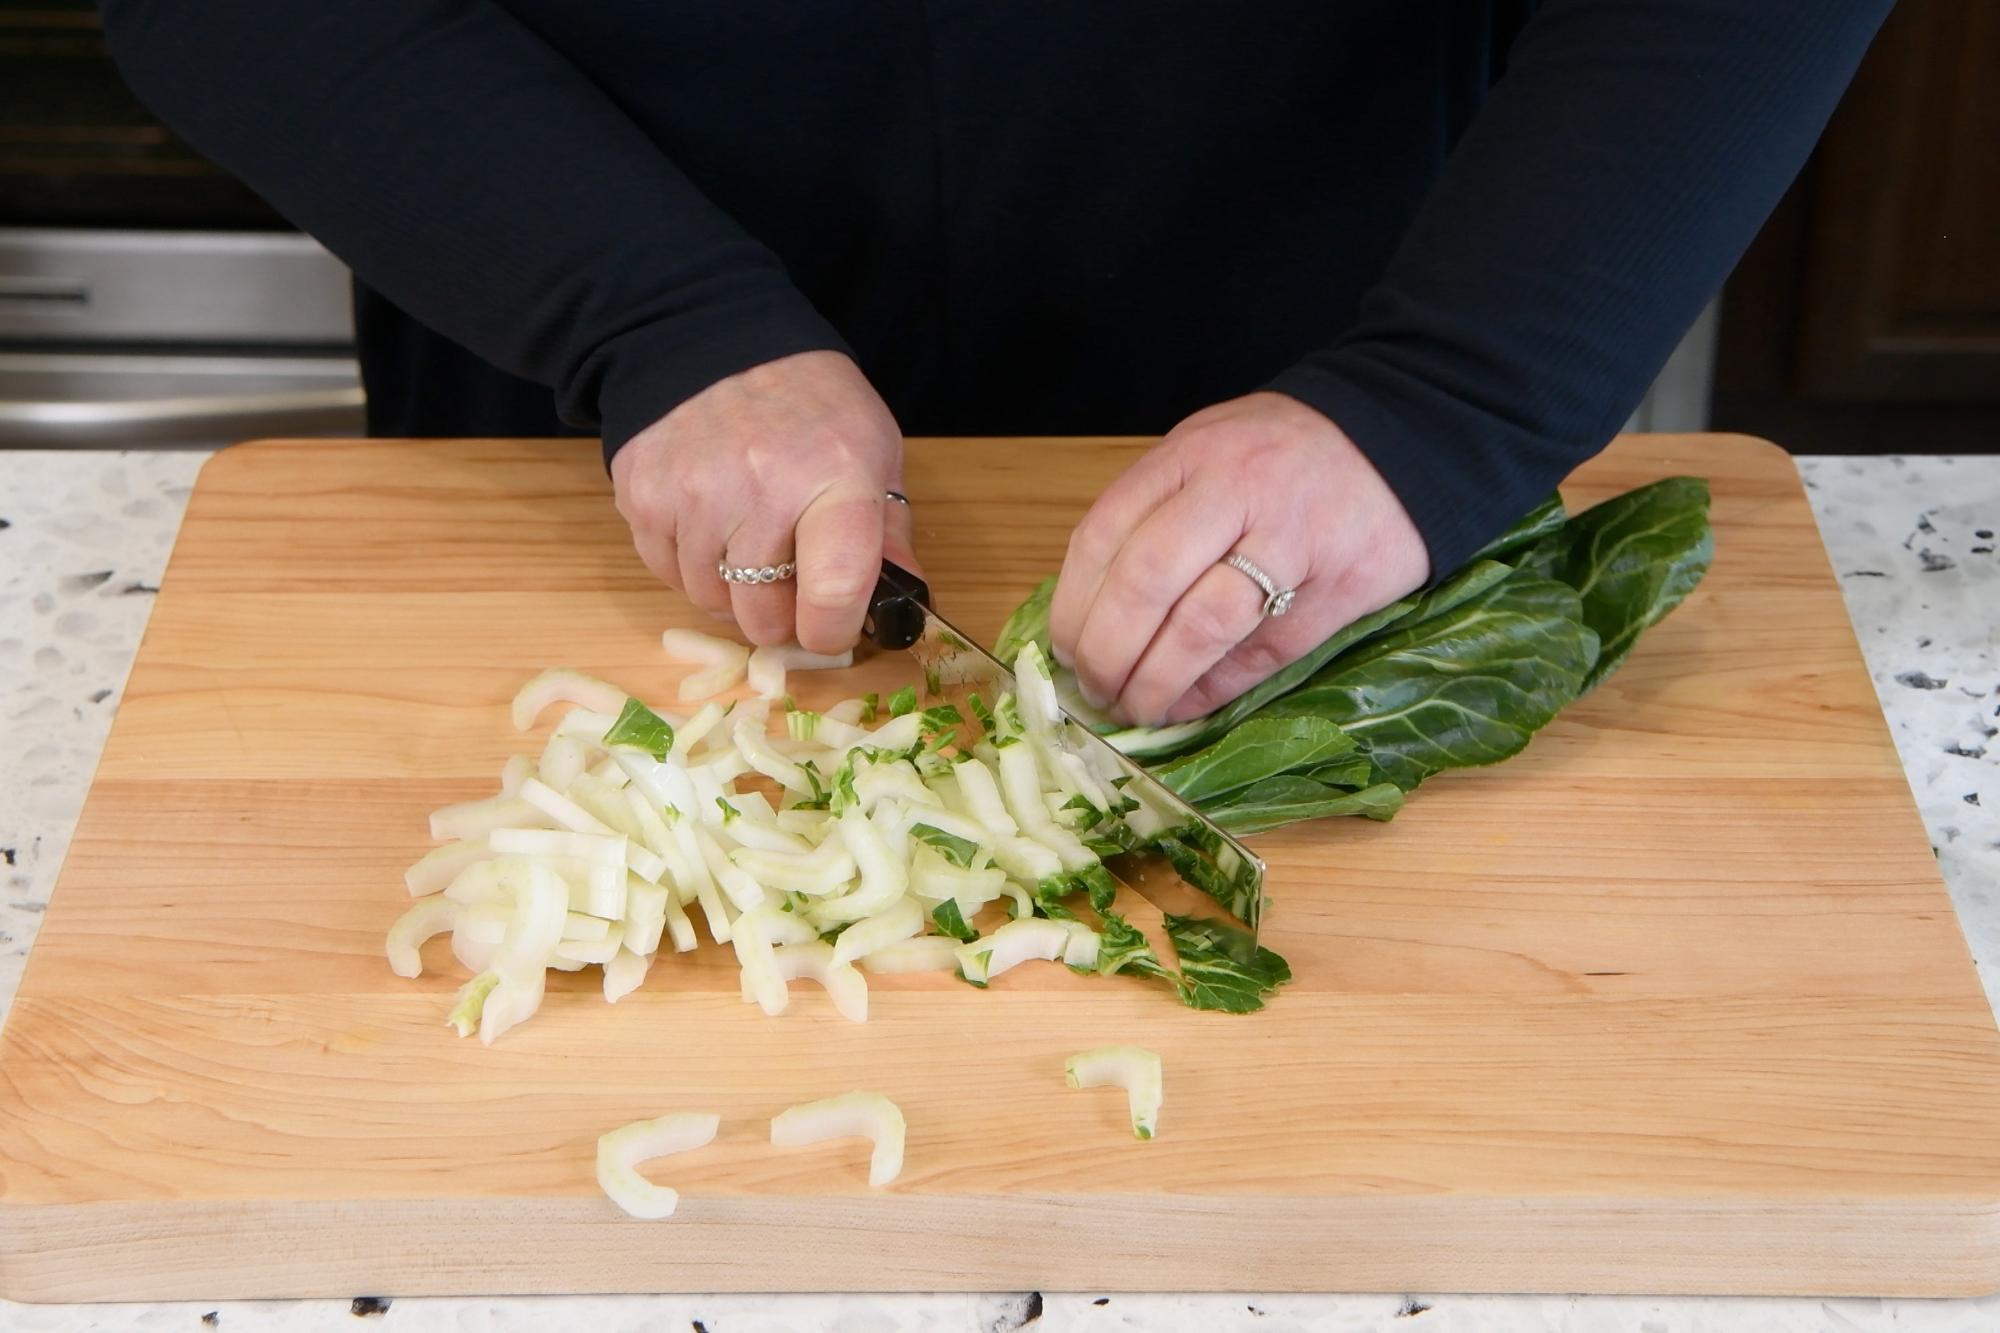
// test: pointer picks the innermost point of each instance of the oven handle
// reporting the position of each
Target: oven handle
(215, 419)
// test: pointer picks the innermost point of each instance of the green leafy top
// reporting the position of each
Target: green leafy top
(640, 728)
(959, 851)
(903, 701)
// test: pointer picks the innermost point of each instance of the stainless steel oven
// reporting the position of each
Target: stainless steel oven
(146, 298)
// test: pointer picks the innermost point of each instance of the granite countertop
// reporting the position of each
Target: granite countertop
(84, 538)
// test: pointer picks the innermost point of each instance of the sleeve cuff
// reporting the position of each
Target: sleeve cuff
(1462, 474)
(642, 375)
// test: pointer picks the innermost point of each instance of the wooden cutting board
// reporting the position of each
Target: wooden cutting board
(1673, 1002)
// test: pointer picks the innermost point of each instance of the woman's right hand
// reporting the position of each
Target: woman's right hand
(790, 460)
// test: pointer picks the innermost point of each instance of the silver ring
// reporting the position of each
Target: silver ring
(1277, 600)
(755, 573)
(898, 497)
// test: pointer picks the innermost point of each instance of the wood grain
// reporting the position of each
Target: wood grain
(1673, 1002)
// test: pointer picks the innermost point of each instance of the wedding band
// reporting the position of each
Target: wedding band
(898, 497)
(755, 573)
(1277, 600)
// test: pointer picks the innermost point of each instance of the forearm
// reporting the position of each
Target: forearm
(1614, 177)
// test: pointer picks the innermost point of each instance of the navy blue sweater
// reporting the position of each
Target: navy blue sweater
(1469, 232)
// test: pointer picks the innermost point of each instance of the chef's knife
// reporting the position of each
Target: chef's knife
(1196, 869)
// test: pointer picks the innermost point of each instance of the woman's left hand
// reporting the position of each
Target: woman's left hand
(1158, 628)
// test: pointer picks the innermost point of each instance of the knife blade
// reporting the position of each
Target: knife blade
(1176, 857)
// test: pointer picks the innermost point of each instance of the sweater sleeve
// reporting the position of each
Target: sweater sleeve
(484, 183)
(1615, 175)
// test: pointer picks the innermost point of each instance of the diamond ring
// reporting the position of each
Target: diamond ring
(754, 573)
(1277, 600)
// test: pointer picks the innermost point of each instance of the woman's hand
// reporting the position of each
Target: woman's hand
(790, 460)
(1157, 628)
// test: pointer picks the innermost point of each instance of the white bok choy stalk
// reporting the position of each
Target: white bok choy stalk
(620, 1152)
(1129, 1067)
(867, 1115)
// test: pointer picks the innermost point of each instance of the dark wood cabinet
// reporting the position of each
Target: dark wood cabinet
(1867, 315)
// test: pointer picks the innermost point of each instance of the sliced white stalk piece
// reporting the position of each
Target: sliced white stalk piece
(608, 772)
(788, 872)
(982, 797)
(680, 930)
(742, 890)
(767, 666)
(926, 953)
(561, 808)
(620, 1152)
(541, 905)
(578, 926)
(705, 891)
(934, 879)
(473, 955)
(645, 914)
(563, 759)
(750, 936)
(589, 726)
(812, 825)
(1011, 945)
(436, 869)
(485, 923)
(1035, 692)
(607, 849)
(652, 829)
(604, 803)
(823, 730)
(624, 973)
(867, 1115)
(510, 1004)
(464, 1016)
(746, 830)
(1081, 948)
(478, 883)
(755, 747)
(1026, 860)
(698, 649)
(599, 891)
(895, 923)
(518, 769)
(426, 917)
(817, 960)
(470, 819)
(1130, 1067)
(1024, 906)
(847, 710)
(900, 781)
(884, 878)
(714, 680)
(592, 951)
(666, 785)
(698, 727)
(561, 685)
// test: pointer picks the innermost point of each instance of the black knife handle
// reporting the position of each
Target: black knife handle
(896, 610)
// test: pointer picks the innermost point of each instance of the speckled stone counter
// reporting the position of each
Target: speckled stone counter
(84, 538)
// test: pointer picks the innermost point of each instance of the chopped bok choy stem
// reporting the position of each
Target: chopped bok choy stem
(866, 1115)
(620, 1152)
(1129, 1067)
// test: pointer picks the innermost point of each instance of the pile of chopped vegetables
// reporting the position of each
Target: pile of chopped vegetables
(862, 839)
(866, 838)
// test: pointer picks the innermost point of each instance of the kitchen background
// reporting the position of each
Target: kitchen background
(148, 299)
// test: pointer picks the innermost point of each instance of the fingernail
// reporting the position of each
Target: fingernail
(1090, 695)
(1061, 654)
